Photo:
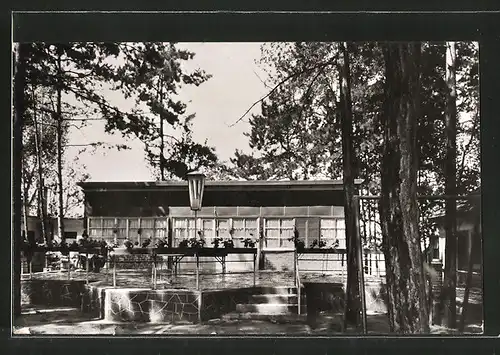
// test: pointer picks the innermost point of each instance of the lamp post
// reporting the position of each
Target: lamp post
(196, 186)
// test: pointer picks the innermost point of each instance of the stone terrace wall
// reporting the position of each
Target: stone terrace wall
(58, 293)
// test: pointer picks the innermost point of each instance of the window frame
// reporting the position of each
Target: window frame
(330, 240)
(124, 231)
(281, 239)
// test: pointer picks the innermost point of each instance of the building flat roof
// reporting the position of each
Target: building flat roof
(215, 185)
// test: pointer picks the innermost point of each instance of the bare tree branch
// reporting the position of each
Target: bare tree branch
(260, 79)
(291, 76)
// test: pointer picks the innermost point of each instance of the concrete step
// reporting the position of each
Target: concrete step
(274, 318)
(267, 308)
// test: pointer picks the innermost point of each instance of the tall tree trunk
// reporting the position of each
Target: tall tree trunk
(41, 187)
(353, 303)
(25, 203)
(19, 67)
(59, 123)
(405, 278)
(162, 135)
(25, 213)
(450, 267)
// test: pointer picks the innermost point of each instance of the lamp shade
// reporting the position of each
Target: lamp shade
(196, 185)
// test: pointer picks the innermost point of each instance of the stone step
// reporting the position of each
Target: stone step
(274, 318)
(267, 308)
(275, 298)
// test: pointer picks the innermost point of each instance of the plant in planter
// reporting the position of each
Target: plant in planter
(228, 243)
(196, 243)
(146, 243)
(128, 244)
(335, 244)
(184, 243)
(318, 244)
(162, 243)
(216, 242)
(248, 243)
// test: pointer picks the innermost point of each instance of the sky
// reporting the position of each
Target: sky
(236, 83)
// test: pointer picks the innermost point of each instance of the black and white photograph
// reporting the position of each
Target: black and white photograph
(247, 188)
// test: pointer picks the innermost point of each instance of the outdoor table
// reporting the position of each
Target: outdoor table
(219, 254)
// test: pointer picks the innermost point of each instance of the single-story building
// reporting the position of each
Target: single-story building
(73, 227)
(274, 210)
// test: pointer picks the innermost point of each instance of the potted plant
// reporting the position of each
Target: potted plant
(128, 244)
(146, 243)
(196, 243)
(248, 243)
(124, 249)
(216, 242)
(162, 243)
(229, 243)
(318, 244)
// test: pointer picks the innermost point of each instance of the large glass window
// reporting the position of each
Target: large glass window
(148, 228)
(223, 227)
(245, 228)
(332, 232)
(121, 224)
(103, 228)
(278, 231)
(183, 228)
(108, 225)
(95, 228)
(133, 229)
(161, 228)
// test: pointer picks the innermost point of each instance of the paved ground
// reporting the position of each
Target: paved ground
(68, 321)
(63, 321)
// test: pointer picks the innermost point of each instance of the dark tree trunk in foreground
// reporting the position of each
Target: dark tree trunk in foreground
(19, 109)
(405, 278)
(450, 227)
(162, 134)
(353, 302)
